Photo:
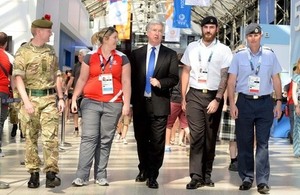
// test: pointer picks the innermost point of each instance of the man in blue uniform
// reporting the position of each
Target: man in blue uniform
(254, 74)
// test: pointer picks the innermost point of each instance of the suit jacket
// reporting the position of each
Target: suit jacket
(166, 71)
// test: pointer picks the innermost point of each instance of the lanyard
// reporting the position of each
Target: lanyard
(102, 65)
(251, 62)
(210, 55)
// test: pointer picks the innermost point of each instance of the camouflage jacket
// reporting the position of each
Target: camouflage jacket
(37, 65)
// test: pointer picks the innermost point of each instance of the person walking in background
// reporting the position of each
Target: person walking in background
(295, 96)
(72, 83)
(254, 74)
(37, 75)
(14, 111)
(68, 94)
(290, 106)
(122, 127)
(206, 62)
(176, 112)
(6, 61)
(6, 84)
(154, 73)
(227, 133)
(105, 82)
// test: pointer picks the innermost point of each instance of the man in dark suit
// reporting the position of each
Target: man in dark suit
(154, 72)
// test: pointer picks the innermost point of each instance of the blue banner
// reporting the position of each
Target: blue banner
(182, 14)
(266, 13)
(295, 33)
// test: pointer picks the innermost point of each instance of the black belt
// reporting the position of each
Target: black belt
(40, 92)
(254, 97)
(205, 90)
(148, 99)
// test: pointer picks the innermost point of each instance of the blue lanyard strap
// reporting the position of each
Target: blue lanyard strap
(211, 53)
(251, 62)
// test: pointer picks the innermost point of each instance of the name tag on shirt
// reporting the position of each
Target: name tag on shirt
(107, 83)
(254, 84)
(202, 78)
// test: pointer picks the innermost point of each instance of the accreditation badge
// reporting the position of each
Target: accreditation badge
(254, 84)
(202, 78)
(107, 83)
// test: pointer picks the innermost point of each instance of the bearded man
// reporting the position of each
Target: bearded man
(205, 74)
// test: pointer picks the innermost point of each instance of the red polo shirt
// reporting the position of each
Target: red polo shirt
(6, 61)
(93, 87)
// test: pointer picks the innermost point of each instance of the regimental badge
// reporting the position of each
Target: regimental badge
(256, 30)
(211, 20)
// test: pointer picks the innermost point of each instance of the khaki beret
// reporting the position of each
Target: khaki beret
(209, 20)
(44, 22)
(253, 28)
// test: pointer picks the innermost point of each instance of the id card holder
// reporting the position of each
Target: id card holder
(202, 78)
(254, 84)
(107, 83)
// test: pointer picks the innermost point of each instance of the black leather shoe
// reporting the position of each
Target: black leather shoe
(34, 181)
(246, 185)
(194, 184)
(141, 177)
(14, 130)
(263, 188)
(152, 183)
(209, 183)
(52, 180)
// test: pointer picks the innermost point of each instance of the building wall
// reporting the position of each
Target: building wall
(68, 16)
(16, 17)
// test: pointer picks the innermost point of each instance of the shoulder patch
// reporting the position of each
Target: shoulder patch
(267, 48)
(242, 49)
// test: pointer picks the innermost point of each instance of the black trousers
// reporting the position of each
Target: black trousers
(150, 131)
(203, 132)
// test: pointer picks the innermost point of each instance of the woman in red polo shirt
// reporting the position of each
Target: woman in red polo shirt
(105, 82)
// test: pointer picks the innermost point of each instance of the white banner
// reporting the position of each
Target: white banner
(171, 34)
(198, 2)
(118, 12)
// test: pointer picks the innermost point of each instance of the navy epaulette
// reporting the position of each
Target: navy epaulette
(268, 48)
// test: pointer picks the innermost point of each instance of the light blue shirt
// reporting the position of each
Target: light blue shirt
(241, 67)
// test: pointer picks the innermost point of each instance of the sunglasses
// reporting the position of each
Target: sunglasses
(109, 29)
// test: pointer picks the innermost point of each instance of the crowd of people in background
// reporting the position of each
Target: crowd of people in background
(154, 87)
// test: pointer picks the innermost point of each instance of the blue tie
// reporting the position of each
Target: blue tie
(150, 70)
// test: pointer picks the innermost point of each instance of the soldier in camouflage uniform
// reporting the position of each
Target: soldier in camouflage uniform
(37, 75)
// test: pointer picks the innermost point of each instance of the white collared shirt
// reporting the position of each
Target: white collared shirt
(149, 49)
(197, 55)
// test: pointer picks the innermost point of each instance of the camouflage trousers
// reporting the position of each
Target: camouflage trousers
(44, 121)
(14, 109)
(13, 114)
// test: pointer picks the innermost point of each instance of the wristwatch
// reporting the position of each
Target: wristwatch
(278, 100)
(218, 99)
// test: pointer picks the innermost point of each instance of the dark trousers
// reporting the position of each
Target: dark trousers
(150, 131)
(254, 115)
(291, 117)
(3, 114)
(203, 132)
